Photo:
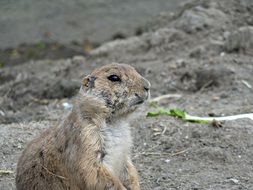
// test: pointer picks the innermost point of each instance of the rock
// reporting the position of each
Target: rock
(197, 52)
(212, 77)
(240, 40)
(132, 43)
(214, 154)
(78, 59)
(163, 36)
(247, 3)
(199, 18)
(60, 88)
(143, 43)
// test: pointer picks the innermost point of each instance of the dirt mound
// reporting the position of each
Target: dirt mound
(203, 52)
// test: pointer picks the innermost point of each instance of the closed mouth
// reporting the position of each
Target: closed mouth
(137, 102)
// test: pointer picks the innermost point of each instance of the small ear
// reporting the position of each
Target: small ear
(89, 81)
(86, 81)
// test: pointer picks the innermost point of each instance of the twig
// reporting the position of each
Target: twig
(246, 84)
(225, 118)
(157, 99)
(163, 154)
(186, 117)
(40, 101)
(6, 172)
(180, 152)
(205, 85)
(155, 153)
(61, 177)
(164, 130)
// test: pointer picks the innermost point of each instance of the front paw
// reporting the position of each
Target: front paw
(134, 187)
(117, 188)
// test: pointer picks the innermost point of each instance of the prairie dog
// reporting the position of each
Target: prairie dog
(90, 149)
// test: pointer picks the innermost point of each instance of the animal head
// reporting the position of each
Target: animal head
(120, 86)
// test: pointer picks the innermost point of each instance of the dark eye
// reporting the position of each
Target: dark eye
(114, 78)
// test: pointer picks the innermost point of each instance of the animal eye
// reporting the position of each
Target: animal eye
(114, 78)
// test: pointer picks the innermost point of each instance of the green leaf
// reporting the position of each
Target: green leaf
(153, 114)
(178, 113)
(161, 111)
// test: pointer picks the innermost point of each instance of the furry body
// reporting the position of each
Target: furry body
(90, 149)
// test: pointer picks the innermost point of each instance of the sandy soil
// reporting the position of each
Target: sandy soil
(203, 52)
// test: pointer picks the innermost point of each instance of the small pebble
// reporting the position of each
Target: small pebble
(216, 98)
(236, 181)
(222, 54)
(67, 105)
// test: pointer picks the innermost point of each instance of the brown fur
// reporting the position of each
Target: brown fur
(89, 150)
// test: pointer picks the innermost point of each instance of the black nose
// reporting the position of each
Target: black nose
(137, 95)
(146, 84)
(146, 88)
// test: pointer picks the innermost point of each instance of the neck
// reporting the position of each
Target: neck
(96, 110)
(91, 108)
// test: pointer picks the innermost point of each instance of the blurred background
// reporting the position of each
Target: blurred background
(29, 21)
(77, 25)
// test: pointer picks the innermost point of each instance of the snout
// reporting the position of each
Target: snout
(146, 84)
(139, 99)
(141, 96)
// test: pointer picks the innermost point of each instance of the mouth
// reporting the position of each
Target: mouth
(137, 101)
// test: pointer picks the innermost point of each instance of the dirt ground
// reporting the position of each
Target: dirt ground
(203, 52)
